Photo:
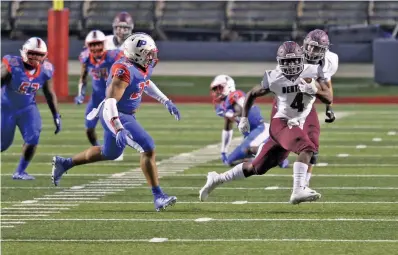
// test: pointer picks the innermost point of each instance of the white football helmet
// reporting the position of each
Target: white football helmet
(221, 86)
(141, 49)
(95, 42)
(34, 51)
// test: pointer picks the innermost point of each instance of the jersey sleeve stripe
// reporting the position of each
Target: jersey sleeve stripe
(7, 64)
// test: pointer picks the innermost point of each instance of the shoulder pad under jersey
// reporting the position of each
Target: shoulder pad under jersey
(84, 56)
(48, 69)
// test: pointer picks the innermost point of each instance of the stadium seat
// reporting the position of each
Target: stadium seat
(100, 14)
(330, 13)
(6, 16)
(384, 14)
(32, 17)
(255, 15)
(192, 17)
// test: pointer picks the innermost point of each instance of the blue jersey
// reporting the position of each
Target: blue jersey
(255, 118)
(137, 80)
(99, 69)
(21, 90)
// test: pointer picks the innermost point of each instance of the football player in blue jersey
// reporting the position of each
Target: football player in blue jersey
(228, 105)
(128, 79)
(21, 78)
(96, 62)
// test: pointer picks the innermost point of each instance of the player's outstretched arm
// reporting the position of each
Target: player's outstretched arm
(324, 93)
(251, 96)
(82, 85)
(52, 103)
(114, 93)
(153, 91)
(255, 92)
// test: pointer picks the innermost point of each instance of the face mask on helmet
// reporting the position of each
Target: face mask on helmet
(151, 58)
(291, 65)
(35, 58)
(122, 31)
(313, 51)
(217, 93)
(96, 49)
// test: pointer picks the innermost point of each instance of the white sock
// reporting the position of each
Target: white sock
(308, 178)
(235, 173)
(299, 175)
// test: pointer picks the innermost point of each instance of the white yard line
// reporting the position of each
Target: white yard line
(130, 180)
(220, 220)
(284, 240)
(281, 188)
(204, 203)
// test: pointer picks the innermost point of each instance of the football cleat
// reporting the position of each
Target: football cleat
(58, 169)
(304, 195)
(211, 183)
(22, 176)
(163, 201)
(120, 158)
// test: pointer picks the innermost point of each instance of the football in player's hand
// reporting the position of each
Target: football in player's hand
(309, 80)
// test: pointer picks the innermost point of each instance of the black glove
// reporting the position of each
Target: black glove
(329, 114)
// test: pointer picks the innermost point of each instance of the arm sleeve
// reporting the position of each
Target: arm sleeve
(111, 114)
(226, 138)
(153, 91)
(121, 71)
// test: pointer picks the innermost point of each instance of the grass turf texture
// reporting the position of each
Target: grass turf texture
(199, 86)
(361, 186)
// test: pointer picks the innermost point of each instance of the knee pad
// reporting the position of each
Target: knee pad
(314, 158)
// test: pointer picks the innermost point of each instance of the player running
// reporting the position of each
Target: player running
(97, 62)
(316, 51)
(21, 78)
(129, 78)
(229, 103)
(295, 95)
(123, 26)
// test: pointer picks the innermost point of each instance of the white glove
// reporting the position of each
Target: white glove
(243, 125)
(308, 88)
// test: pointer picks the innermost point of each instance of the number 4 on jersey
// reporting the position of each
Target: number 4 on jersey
(298, 102)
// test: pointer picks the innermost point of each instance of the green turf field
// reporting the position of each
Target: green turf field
(106, 208)
(199, 86)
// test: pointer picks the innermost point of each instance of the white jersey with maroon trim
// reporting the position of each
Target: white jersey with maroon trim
(291, 103)
(111, 43)
(329, 64)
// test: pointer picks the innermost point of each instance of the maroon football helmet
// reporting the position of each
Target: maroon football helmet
(290, 58)
(123, 26)
(316, 43)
